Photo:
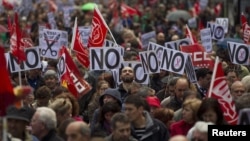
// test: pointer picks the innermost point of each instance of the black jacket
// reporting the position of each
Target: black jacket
(52, 136)
(155, 130)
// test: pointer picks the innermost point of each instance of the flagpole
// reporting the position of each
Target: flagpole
(5, 128)
(73, 36)
(213, 76)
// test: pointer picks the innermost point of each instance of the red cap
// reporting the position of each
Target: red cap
(153, 101)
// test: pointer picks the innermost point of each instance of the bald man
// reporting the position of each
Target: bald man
(78, 131)
(178, 138)
(237, 89)
(176, 100)
(160, 38)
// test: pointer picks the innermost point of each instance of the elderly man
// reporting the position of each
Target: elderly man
(43, 125)
(78, 131)
(237, 89)
(176, 100)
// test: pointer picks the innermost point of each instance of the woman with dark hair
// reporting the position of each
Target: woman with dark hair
(210, 111)
(107, 76)
(101, 86)
(104, 122)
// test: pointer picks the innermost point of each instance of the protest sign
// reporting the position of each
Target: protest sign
(146, 37)
(105, 58)
(51, 41)
(173, 61)
(238, 53)
(223, 22)
(176, 44)
(149, 62)
(217, 31)
(206, 40)
(32, 61)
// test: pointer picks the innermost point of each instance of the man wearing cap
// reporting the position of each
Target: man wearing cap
(18, 120)
(109, 95)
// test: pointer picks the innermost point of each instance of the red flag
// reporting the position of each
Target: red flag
(52, 5)
(83, 59)
(200, 25)
(195, 9)
(99, 30)
(217, 9)
(189, 34)
(77, 45)
(245, 28)
(219, 89)
(243, 19)
(7, 4)
(127, 10)
(15, 41)
(26, 43)
(7, 96)
(71, 77)
(199, 56)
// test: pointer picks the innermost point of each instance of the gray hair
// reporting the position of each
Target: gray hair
(246, 82)
(202, 126)
(47, 116)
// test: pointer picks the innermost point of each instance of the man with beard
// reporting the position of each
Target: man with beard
(127, 77)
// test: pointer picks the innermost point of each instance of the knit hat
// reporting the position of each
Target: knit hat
(153, 101)
(24, 113)
(112, 92)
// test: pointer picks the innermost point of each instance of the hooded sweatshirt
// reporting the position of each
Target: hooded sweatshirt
(111, 92)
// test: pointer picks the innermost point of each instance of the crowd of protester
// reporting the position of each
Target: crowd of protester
(169, 108)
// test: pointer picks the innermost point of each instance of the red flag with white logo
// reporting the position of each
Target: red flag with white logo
(70, 75)
(200, 58)
(99, 30)
(219, 89)
(15, 41)
(77, 45)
